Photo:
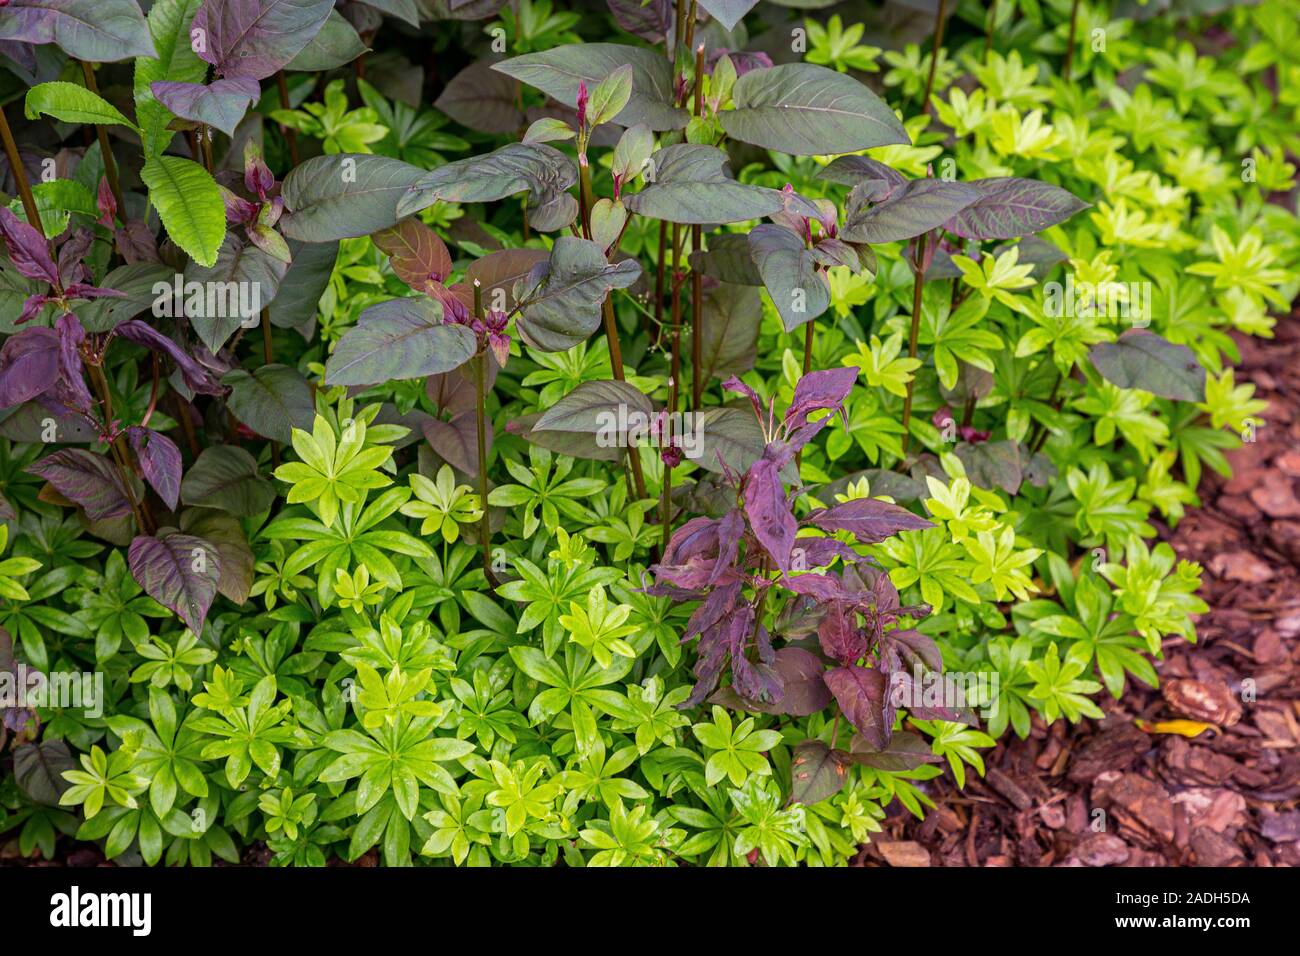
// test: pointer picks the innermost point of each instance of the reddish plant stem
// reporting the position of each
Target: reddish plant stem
(480, 422)
(697, 234)
(290, 135)
(1069, 43)
(918, 281)
(934, 54)
(110, 165)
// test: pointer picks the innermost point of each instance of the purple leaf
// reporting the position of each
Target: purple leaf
(734, 384)
(817, 390)
(160, 461)
(27, 248)
(72, 387)
(222, 103)
(97, 31)
(860, 692)
(1007, 207)
(840, 636)
(769, 513)
(87, 479)
(179, 572)
(918, 207)
(254, 38)
(195, 375)
(816, 772)
(906, 751)
(868, 519)
(805, 687)
(29, 365)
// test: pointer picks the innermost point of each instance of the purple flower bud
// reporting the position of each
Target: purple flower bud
(583, 99)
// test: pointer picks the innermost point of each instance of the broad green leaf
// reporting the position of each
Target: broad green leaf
(799, 291)
(271, 399)
(540, 170)
(189, 205)
(344, 196)
(179, 571)
(96, 31)
(71, 103)
(589, 406)
(731, 318)
(557, 73)
(1141, 359)
(399, 339)
(918, 207)
(169, 25)
(566, 308)
(225, 477)
(1008, 207)
(688, 183)
(808, 110)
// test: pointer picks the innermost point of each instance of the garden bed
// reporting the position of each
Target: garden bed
(1229, 796)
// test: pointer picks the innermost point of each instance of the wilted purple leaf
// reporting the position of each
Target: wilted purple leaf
(178, 571)
(160, 462)
(87, 479)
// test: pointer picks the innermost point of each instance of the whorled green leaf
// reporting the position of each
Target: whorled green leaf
(558, 72)
(399, 339)
(344, 196)
(540, 170)
(808, 110)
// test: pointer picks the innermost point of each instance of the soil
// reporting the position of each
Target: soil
(1229, 796)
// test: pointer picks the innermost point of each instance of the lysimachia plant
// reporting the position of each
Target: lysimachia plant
(610, 449)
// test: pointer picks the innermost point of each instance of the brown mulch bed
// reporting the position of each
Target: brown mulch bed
(1226, 798)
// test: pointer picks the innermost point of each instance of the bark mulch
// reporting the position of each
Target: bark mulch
(1229, 797)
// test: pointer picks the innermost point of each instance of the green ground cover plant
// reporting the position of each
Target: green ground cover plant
(653, 434)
